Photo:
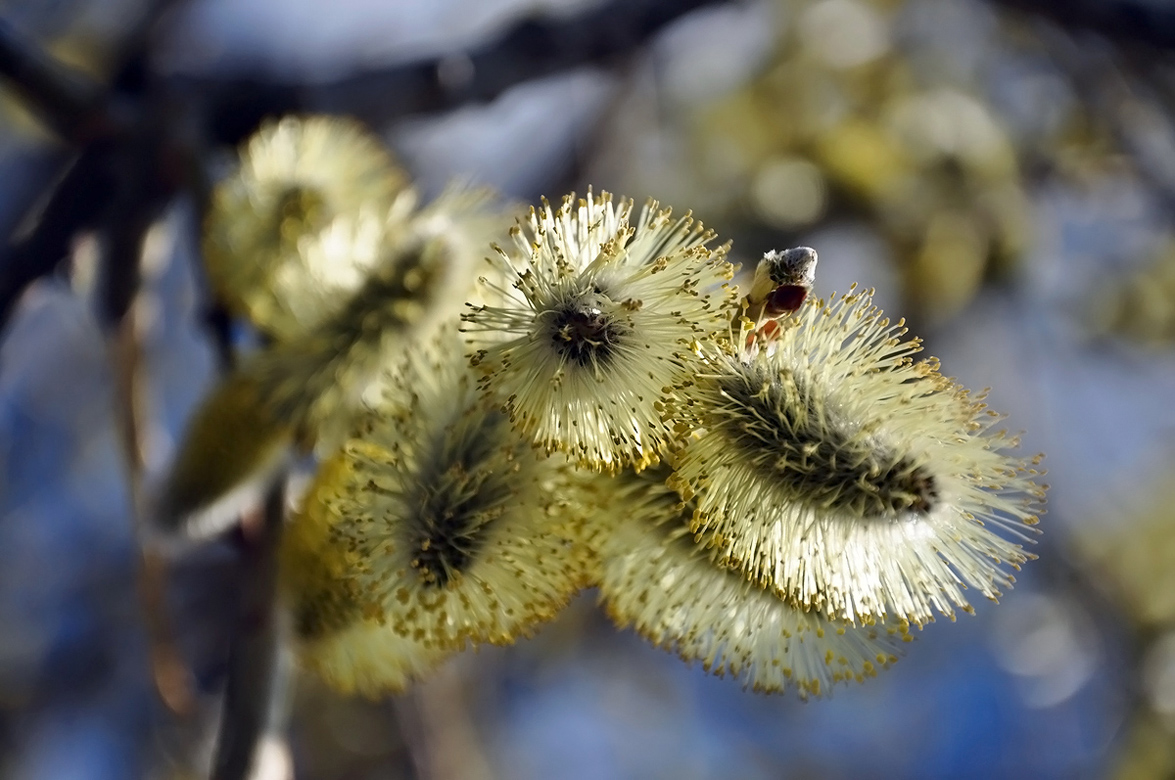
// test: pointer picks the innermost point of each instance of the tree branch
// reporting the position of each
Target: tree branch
(105, 128)
(65, 100)
(533, 49)
(71, 208)
(253, 683)
(1134, 21)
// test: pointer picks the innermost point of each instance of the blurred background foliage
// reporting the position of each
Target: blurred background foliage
(1002, 172)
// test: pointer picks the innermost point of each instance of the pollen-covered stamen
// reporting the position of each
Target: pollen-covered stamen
(596, 321)
(816, 459)
(655, 576)
(433, 527)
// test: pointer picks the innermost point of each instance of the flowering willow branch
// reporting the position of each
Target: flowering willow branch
(190, 110)
(780, 507)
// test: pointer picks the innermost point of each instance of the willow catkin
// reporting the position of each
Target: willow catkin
(654, 577)
(448, 527)
(851, 480)
(296, 178)
(306, 390)
(597, 318)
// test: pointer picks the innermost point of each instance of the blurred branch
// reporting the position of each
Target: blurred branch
(534, 48)
(214, 316)
(117, 185)
(1136, 21)
(107, 130)
(140, 194)
(69, 103)
(170, 673)
(71, 208)
(254, 683)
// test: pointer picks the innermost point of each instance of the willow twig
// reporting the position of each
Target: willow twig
(69, 103)
(255, 672)
(1127, 21)
(532, 49)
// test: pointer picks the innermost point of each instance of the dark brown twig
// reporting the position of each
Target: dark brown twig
(91, 118)
(1127, 21)
(254, 672)
(169, 671)
(72, 105)
(533, 49)
(71, 208)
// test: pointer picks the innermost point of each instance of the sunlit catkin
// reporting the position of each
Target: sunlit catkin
(296, 177)
(339, 632)
(596, 319)
(231, 448)
(440, 527)
(654, 577)
(851, 480)
(303, 391)
(306, 389)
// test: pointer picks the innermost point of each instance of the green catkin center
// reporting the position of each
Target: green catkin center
(583, 331)
(300, 210)
(460, 500)
(816, 457)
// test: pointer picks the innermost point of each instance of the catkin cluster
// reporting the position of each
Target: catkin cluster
(768, 482)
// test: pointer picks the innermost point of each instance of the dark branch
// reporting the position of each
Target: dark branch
(533, 49)
(98, 188)
(254, 665)
(141, 190)
(1137, 21)
(72, 207)
(65, 100)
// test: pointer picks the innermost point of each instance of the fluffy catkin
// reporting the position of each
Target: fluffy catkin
(452, 530)
(654, 577)
(831, 468)
(596, 319)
